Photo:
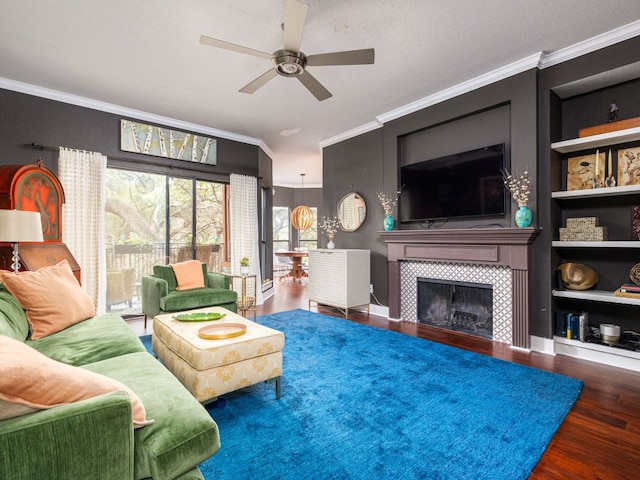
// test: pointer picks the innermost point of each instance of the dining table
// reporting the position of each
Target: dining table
(297, 271)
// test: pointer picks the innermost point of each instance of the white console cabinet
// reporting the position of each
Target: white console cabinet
(339, 278)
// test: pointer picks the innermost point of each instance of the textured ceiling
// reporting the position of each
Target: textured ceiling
(145, 55)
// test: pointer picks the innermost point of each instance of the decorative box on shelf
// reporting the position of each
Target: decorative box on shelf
(582, 223)
(609, 127)
(583, 229)
(598, 234)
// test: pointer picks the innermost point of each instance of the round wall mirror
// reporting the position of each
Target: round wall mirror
(352, 211)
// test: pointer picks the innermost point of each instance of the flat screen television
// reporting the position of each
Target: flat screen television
(467, 184)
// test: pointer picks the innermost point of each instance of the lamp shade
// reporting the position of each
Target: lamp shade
(20, 226)
(302, 217)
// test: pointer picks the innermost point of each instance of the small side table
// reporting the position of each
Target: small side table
(246, 286)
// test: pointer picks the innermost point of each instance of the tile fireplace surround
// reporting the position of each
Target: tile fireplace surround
(506, 247)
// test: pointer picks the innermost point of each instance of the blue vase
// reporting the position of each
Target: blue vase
(389, 223)
(523, 216)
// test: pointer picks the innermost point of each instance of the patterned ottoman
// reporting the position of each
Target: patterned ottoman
(210, 368)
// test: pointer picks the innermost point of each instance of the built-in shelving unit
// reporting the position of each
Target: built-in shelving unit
(596, 352)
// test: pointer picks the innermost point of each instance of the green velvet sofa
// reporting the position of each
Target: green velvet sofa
(95, 438)
(159, 294)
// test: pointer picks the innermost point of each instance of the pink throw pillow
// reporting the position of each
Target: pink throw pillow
(189, 274)
(52, 297)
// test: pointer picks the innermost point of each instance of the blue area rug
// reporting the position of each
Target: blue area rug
(360, 402)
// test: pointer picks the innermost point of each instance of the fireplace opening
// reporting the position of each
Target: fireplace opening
(460, 306)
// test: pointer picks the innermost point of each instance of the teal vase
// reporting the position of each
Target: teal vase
(389, 223)
(523, 216)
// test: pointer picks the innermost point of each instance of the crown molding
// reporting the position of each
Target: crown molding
(539, 60)
(603, 40)
(354, 132)
(79, 101)
(483, 80)
(265, 148)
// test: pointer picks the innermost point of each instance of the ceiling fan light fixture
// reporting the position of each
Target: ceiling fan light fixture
(289, 64)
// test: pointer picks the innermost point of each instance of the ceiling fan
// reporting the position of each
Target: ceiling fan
(290, 61)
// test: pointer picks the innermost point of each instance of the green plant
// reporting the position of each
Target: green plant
(244, 262)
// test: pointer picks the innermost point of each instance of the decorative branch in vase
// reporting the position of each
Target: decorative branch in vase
(519, 186)
(387, 205)
(330, 226)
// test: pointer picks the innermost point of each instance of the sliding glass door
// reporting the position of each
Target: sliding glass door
(156, 219)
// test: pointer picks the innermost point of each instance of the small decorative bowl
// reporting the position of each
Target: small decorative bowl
(576, 276)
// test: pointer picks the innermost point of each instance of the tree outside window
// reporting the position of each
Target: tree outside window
(281, 229)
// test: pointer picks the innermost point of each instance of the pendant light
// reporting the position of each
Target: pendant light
(302, 216)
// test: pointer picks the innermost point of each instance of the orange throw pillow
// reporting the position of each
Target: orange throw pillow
(188, 274)
(52, 297)
(28, 377)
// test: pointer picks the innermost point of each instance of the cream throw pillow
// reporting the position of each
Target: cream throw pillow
(189, 274)
(52, 297)
(29, 378)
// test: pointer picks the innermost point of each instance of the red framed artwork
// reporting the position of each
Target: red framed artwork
(36, 192)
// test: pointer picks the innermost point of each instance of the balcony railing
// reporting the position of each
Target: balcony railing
(142, 257)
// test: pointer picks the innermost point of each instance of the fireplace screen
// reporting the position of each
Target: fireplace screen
(459, 306)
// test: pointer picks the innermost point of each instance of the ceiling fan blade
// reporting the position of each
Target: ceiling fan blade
(350, 57)
(214, 42)
(314, 86)
(295, 15)
(259, 82)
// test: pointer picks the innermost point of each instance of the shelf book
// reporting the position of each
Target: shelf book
(574, 326)
(628, 290)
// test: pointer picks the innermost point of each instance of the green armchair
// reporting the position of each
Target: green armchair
(159, 294)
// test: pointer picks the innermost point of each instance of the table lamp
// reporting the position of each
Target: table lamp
(19, 226)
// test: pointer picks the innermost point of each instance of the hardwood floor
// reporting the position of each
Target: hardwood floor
(599, 439)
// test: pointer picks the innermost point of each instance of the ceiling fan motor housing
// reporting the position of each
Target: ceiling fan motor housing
(290, 61)
(289, 64)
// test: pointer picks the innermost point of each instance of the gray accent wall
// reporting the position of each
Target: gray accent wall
(27, 119)
(356, 165)
(527, 114)
(502, 112)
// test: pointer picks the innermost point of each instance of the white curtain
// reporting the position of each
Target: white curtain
(243, 206)
(82, 175)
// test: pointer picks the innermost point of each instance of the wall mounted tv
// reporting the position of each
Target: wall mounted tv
(467, 184)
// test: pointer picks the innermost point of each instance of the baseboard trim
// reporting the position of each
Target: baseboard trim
(611, 356)
(380, 310)
(542, 345)
(587, 351)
